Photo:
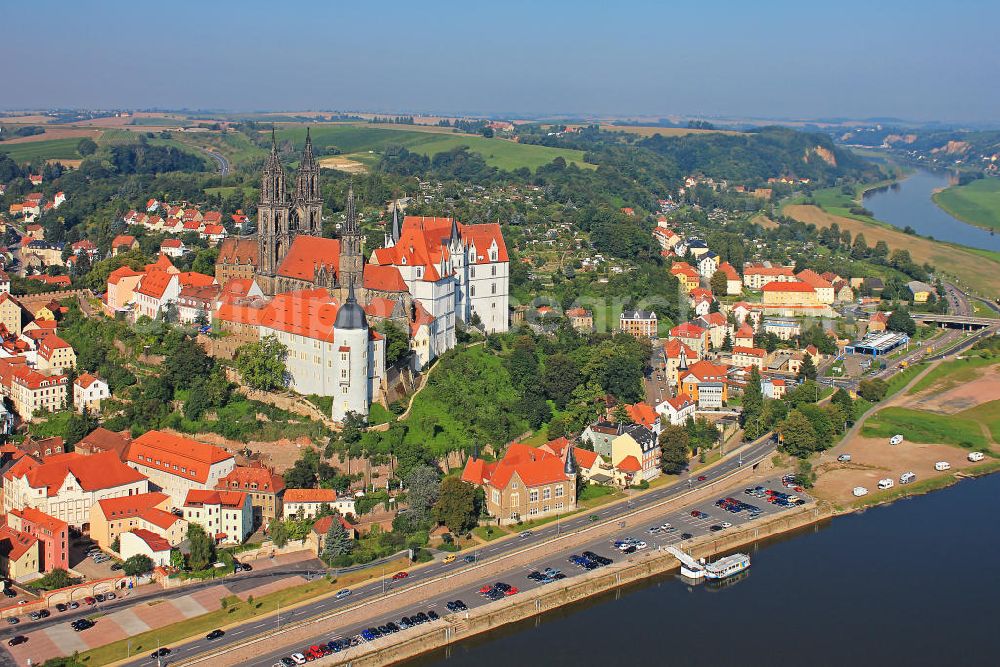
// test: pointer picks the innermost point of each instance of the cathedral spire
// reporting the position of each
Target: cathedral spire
(351, 224)
(395, 222)
(308, 159)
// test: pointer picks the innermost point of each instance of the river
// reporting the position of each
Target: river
(909, 583)
(909, 203)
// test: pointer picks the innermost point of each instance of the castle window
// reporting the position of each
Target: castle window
(472, 272)
(472, 290)
(493, 288)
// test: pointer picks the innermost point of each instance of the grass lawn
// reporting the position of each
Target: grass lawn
(977, 203)
(359, 139)
(378, 414)
(489, 533)
(899, 380)
(950, 374)
(925, 427)
(988, 414)
(51, 149)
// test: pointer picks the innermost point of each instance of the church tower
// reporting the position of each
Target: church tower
(351, 261)
(273, 234)
(308, 200)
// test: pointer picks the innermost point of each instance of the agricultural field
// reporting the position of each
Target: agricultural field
(652, 130)
(52, 149)
(977, 203)
(372, 139)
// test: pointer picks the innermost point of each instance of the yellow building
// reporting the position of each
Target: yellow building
(18, 553)
(686, 275)
(55, 353)
(111, 517)
(13, 315)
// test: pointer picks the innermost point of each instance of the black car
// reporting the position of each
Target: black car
(393, 628)
(159, 653)
(10, 592)
(384, 629)
(433, 615)
(13, 620)
(82, 624)
(502, 587)
(686, 536)
(17, 639)
(470, 559)
(423, 617)
(99, 597)
(61, 607)
(44, 613)
(214, 634)
(117, 566)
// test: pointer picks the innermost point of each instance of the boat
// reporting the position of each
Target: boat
(727, 566)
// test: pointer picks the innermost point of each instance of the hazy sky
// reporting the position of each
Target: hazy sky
(911, 59)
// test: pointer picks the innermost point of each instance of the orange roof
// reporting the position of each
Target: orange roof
(729, 270)
(752, 351)
(230, 499)
(758, 269)
(687, 330)
(679, 402)
(171, 243)
(213, 230)
(642, 413)
(533, 466)
(323, 524)
(39, 518)
(160, 450)
(810, 277)
(629, 464)
(50, 344)
(306, 254)
(162, 262)
(310, 495)
(707, 371)
(238, 251)
(383, 278)
(196, 279)
(745, 331)
(154, 284)
(85, 380)
(699, 293)
(584, 457)
(672, 348)
(380, 307)
(14, 544)
(92, 473)
(714, 319)
(155, 543)
(146, 506)
(794, 286)
(257, 478)
(122, 239)
(679, 268)
(309, 313)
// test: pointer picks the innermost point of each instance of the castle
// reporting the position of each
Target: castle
(323, 301)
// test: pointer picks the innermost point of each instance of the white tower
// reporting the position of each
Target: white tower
(350, 338)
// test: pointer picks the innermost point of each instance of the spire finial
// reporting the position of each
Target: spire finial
(274, 141)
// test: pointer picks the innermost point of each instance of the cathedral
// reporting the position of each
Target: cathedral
(321, 295)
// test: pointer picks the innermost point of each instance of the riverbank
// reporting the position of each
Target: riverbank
(976, 203)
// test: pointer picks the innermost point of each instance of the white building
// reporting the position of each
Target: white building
(227, 516)
(141, 542)
(307, 503)
(88, 392)
(677, 409)
(177, 465)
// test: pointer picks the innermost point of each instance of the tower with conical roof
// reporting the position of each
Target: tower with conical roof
(308, 200)
(274, 235)
(353, 352)
(392, 236)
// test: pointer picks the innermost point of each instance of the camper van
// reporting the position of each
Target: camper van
(976, 456)
(941, 466)
(860, 491)
(907, 477)
(896, 439)
(884, 484)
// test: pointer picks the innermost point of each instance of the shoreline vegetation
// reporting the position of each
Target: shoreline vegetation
(976, 203)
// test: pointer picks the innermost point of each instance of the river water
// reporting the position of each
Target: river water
(909, 203)
(910, 583)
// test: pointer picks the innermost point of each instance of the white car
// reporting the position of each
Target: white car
(298, 658)
(640, 545)
(942, 465)
(844, 458)
(896, 439)
(860, 491)
(726, 524)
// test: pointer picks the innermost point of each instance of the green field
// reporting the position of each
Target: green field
(51, 149)
(977, 203)
(929, 427)
(950, 374)
(500, 153)
(160, 121)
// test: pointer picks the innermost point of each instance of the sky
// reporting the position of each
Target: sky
(911, 59)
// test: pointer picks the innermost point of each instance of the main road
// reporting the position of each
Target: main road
(550, 552)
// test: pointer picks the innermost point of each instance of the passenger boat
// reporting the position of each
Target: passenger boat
(727, 566)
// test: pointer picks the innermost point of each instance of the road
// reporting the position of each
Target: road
(548, 555)
(221, 160)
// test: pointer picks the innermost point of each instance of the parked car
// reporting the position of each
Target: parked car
(907, 477)
(896, 439)
(13, 620)
(941, 466)
(89, 600)
(17, 639)
(860, 491)
(976, 456)
(844, 458)
(886, 483)
(298, 658)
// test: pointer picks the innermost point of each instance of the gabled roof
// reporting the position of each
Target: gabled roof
(154, 284)
(687, 330)
(84, 380)
(92, 473)
(750, 351)
(790, 286)
(39, 518)
(14, 544)
(239, 251)
(533, 466)
(729, 270)
(253, 479)
(706, 371)
(307, 254)
(323, 524)
(146, 506)
(642, 413)
(161, 451)
(122, 239)
(202, 497)
(384, 278)
(810, 277)
(629, 464)
(310, 495)
(672, 348)
(155, 543)
(745, 331)
(679, 402)
(309, 313)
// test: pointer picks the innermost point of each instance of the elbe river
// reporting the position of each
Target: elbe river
(909, 203)
(916, 582)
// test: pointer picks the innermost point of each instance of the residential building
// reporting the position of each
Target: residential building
(177, 465)
(692, 335)
(600, 434)
(678, 355)
(637, 453)
(13, 315)
(755, 276)
(642, 414)
(527, 483)
(774, 388)
(88, 392)
(677, 410)
(581, 319)
(317, 536)
(708, 264)
(718, 328)
(734, 285)
(783, 328)
(227, 516)
(111, 517)
(705, 383)
(791, 297)
(31, 391)
(749, 356)
(55, 354)
(744, 336)
(307, 503)
(19, 554)
(823, 287)
(65, 486)
(686, 275)
(173, 248)
(122, 283)
(123, 243)
(265, 488)
(52, 535)
(878, 321)
(103, 440)
(141, 542)
(639, 323)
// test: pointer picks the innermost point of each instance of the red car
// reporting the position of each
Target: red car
(695, 513)
(89, 600)
(702, 478)
(401, 575)
(486, 589)
(511, 591)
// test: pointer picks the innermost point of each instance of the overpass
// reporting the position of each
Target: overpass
(964, 322)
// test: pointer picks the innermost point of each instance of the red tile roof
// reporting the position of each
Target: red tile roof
(751, 351)
(810, 277)
(36, 517)
(146, 506)
(310, 495)
(309, 313)
(629, 464)
(122, 272)
(171, 243)
(383, 278)
(323, 524)
(252, 479)
(672, 348)
(533, 466)
(154, 284)
(238, 251)
(230, 499)
(642, 413)
(795, 286)
(169, 449)
(14, 544)
(307, 254)
(92, 473)
(687, 330)
(85, 380)
(155, 543)
(729, 270)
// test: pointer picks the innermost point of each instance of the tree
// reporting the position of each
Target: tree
(719, 283)
(807, 371)
(843, 399)
(138, 564)
(456, 505)
(86, 147)
(674, 446)
(901, 321)
(202, 548)
(797, 434)
(620, 414)
(727, 344)
(279, 533)
(262, 364)
(337, 542)
(187, 363)
(753, 406)
(422, 488)
(397, 343)
(176, 559)
(872, 390)
(562, 375)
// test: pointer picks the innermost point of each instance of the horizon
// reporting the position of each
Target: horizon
(576, 60)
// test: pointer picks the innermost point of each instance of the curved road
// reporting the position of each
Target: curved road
(221, 160)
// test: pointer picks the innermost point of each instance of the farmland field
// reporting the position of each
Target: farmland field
(977, 203)
(651, 130)
(352, 138)
(51, 149)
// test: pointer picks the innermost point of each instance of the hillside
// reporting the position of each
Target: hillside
(977, 203)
